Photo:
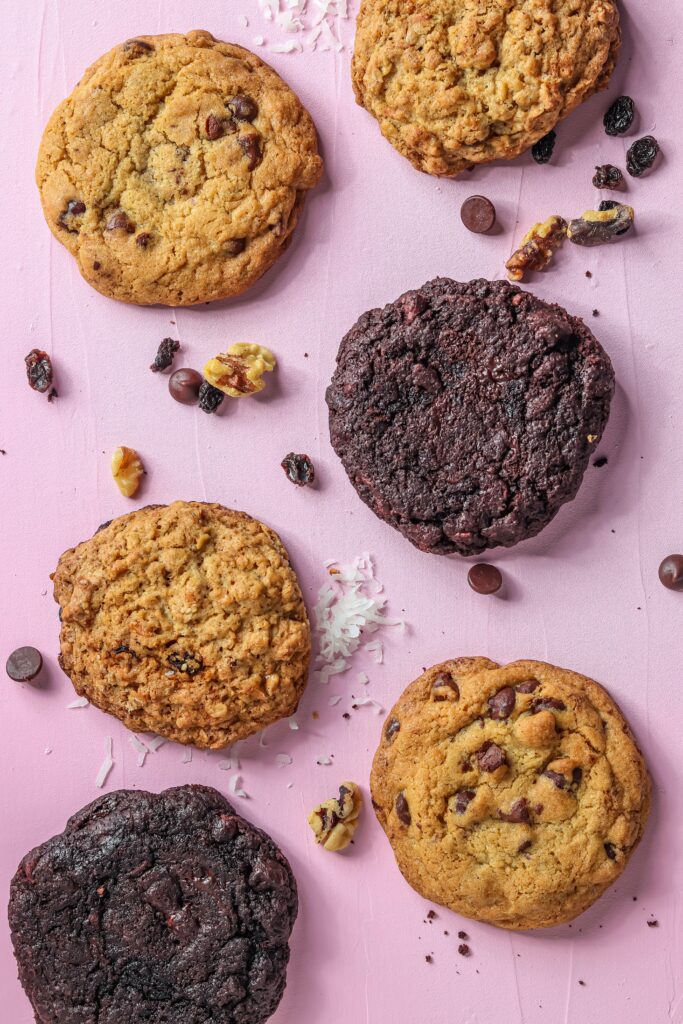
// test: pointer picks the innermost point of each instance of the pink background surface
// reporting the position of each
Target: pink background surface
(584, 594)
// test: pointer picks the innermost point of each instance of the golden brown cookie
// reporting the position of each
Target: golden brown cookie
(454, 83)
(176, 171)
(185, 620)
(512, 794)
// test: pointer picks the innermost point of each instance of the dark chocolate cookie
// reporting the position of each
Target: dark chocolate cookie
(158, 908)
(465, 414)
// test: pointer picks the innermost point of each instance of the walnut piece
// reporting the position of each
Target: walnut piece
(598, 227)
(239, 371)
(127, 470)
(538, 247)
(335, 821)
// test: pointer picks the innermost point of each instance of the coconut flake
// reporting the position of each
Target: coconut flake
(140, 748)
(187, 756)
(234, 785)
(291, 46)
(363, 702)
(230, 762)
(262, 739)
(363, 678)
(376, 647)
(282, 760)
(293, 724)
(154, 742)
(324, 760)
(244, 21)
(258, 40)
(107, 764)
(80, 702)
(333, 701)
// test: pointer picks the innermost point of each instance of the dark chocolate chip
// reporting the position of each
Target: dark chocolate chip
(24, 664)
(463, 935)
(103, 526)
(502, 704)
(391, 728)
(671, 572)
(184, 385)
(402, 809)
(527, 686)
(143, 239)
(136, 47)
(577, 775)
(484, 578)
(547, 704)
(215, 127)
(610, 850)
(490, 757)
(518, 813)
(234, 246)
(242, 108)
(463, 799)
(251, 147)
(555, 777)
(120, 222)
(444, 687)
(653, 924)
(526, 845)
(478, 214)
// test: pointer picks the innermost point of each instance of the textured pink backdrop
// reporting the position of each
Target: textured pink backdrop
(584, 594)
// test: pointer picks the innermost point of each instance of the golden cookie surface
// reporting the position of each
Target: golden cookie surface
(512, 794)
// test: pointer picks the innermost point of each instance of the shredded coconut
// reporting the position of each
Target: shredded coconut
(324, 760)
(316, 23)
(333, 701)
(234, 785)
(293, 724)
(376, 647)
(141, 750)
(363, 678)
(154, 742)
(282, 760)
(80, 702)
(363, 702)
(187, 756)
(107, 764)
(349, 604)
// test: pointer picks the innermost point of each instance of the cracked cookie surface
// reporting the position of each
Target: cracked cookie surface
(465, 414)
(176, 171)
(512, 794)
(167, 908)
(186, 620)
(454, 83)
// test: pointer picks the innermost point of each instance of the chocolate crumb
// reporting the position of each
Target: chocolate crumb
(315, 715)
(463, 935)
(596, 312)
(588, 273)
(464, 949)
(431, 915)
(600, 461)
(429, 959)
(581, 982)
(52, 394)
(346, 715)
(653, 924)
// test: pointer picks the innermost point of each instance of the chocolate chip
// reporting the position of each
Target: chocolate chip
(518, 813)
(120, 222)
(184, 385)
(39, 370)
(547, 704)
(96, 265)
(234, 246)
(464, 949)
(444, 687)
(600, 461)
(610, 850)
(215, 127)
(136, 47)
(299, 469)
(527, 686)
(484, 578)
(555, 777)
(251, 147)
(577, 775)
(24, 664)
(526, 845)
(143, 239)
(671, 572)
(463, 799)
(242, 108)
(402, 809)
(502, 703)
(74, 208)
(478, 214)
(165, 353)
(391, 728)
(490, 757)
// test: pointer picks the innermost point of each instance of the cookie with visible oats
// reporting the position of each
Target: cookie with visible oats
(166, 908)
(454, 83)
(512, 794)
(176, 171)
(186, 620)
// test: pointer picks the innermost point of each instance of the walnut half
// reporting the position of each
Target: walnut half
(239, 371)
(127, 470)
(335, 821)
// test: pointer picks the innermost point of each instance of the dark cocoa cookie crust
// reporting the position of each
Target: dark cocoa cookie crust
(159, 908)
(465, 414)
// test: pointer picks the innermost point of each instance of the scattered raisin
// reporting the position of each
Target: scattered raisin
(642, 155)
(607, 204)
(39, 370)
(188, 663)
(299, 469)
(619, 116)
(542, 150)
(209, 397)
(165, 353)
(608, 176)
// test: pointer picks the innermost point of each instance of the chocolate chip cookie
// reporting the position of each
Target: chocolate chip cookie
(176, 171)
(465, 414)
(168, 908)
(185, 620)
(512, 794)
(455, 83)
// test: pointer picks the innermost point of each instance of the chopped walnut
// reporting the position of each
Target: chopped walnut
(335, 821)
(597, 227)
(127, 470)
(239, 371)
(538, 247)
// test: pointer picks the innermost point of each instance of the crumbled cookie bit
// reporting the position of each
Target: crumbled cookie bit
(335, 821)
(538, 247)
(127, 470)
(239, 371)
(608, 176)
(542, 150)
(598, 227)
(299, 469)
(165, 353)
(39, 370)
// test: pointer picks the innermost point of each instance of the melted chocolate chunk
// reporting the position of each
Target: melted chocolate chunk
(502, 704)
(490, 757)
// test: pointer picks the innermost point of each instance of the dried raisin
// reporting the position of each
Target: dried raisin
(542, 150)
(641, 155)
(299, 469)
(165, 353)
(39, 370)
(209, 397)
(619, 117)
(608, 176)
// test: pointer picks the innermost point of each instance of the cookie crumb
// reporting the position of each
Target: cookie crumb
(464, 949)
(653, 923)
(429, 959)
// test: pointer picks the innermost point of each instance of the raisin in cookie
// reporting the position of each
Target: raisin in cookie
(512, 794)
(186, 620)
(176, 171)
(168, 908)
(465, 414)
(455, 83)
